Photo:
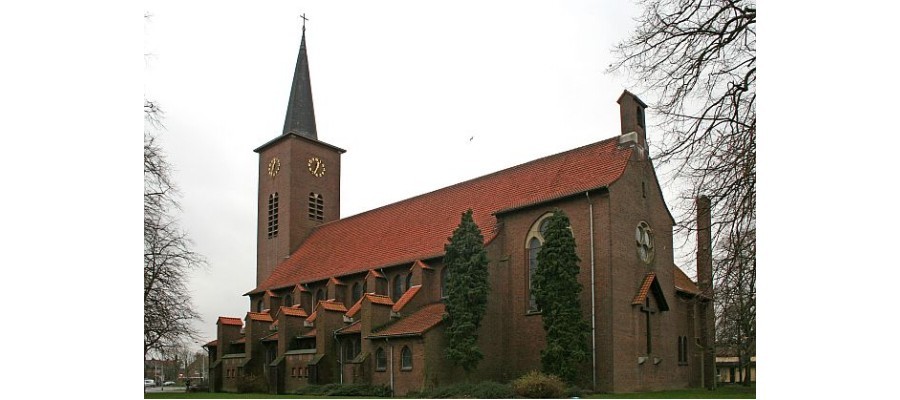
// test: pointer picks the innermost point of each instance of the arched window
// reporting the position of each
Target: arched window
(533, 243)
(398, 287)
(272, 230)
(445, 274)
(406, 359)
(316, 209)
(380, 360)
(320, 296)
(357, 292)
(351, 348)
(288, 300)
(259, 306)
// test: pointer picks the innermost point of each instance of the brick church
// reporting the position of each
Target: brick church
(360, 299)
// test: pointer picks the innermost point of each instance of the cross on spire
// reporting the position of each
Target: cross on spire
(304, 21)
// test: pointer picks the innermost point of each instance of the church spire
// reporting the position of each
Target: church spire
(300, 117)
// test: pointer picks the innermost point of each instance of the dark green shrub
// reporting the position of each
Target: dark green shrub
(480, 390)
(252, 384)
(536, 385)
(573, 391)
(347, 390)
(360, 391)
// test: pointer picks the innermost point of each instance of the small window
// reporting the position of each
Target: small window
(408, 281)
(259, 306)
(398, 288)
(316, 211)
(288, 300)
(640, 116)
(445, 274)
(351, 349)
(272, 229)
(683, 350)
(357, 292)
(406, 359)
(320, 296)
(380, 360)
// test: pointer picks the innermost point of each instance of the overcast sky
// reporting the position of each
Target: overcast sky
(402, 86)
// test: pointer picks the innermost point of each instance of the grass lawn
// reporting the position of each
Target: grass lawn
(723, 392)
(183, 395)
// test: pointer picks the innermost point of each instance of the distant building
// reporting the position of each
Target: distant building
(730, 370)
(359, 299)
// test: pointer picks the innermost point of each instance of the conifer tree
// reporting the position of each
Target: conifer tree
(467, 291)
(556, 290)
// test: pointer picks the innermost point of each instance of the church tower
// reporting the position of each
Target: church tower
(299, 178)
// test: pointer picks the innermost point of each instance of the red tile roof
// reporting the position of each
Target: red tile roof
(416, 323)
(255, 316)
(312, 333)
(379, 299)
(212, 344)
(337, 281)
(683, 283)
(418, 228)
(421, 265)
(355, 309)
(293, 312)
(270, 294)
(230, 321)
(272, 337)
(651, 283)
(352, 328)
(375, 274)
(373, 298)
(644, 290)
(312, 317)
(401, 302)
(332, 305)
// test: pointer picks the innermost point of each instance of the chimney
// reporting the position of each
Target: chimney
(705, 283)
(631, 114)
(704, 245)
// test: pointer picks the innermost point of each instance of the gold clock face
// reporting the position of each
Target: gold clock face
(274, 167)
(316, 166)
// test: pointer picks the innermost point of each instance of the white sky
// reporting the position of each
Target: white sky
(402, 86)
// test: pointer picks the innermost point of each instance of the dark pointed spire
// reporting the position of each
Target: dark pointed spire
(300, 117)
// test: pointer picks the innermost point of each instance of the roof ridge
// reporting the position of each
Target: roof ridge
(592, 165)
(468, 181)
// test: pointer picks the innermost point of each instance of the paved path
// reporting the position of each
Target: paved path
(164, 389)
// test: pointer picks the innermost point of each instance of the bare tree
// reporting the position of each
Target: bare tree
(736, 300)
(697, 59)
(168, 253)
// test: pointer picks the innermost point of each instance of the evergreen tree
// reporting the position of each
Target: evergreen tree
(467, 291)
(556, 290)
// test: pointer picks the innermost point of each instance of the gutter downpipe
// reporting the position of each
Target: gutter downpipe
(593, 297)
(339, 355)
(387, 342)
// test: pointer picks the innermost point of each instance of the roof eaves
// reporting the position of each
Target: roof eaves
(549, 199)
